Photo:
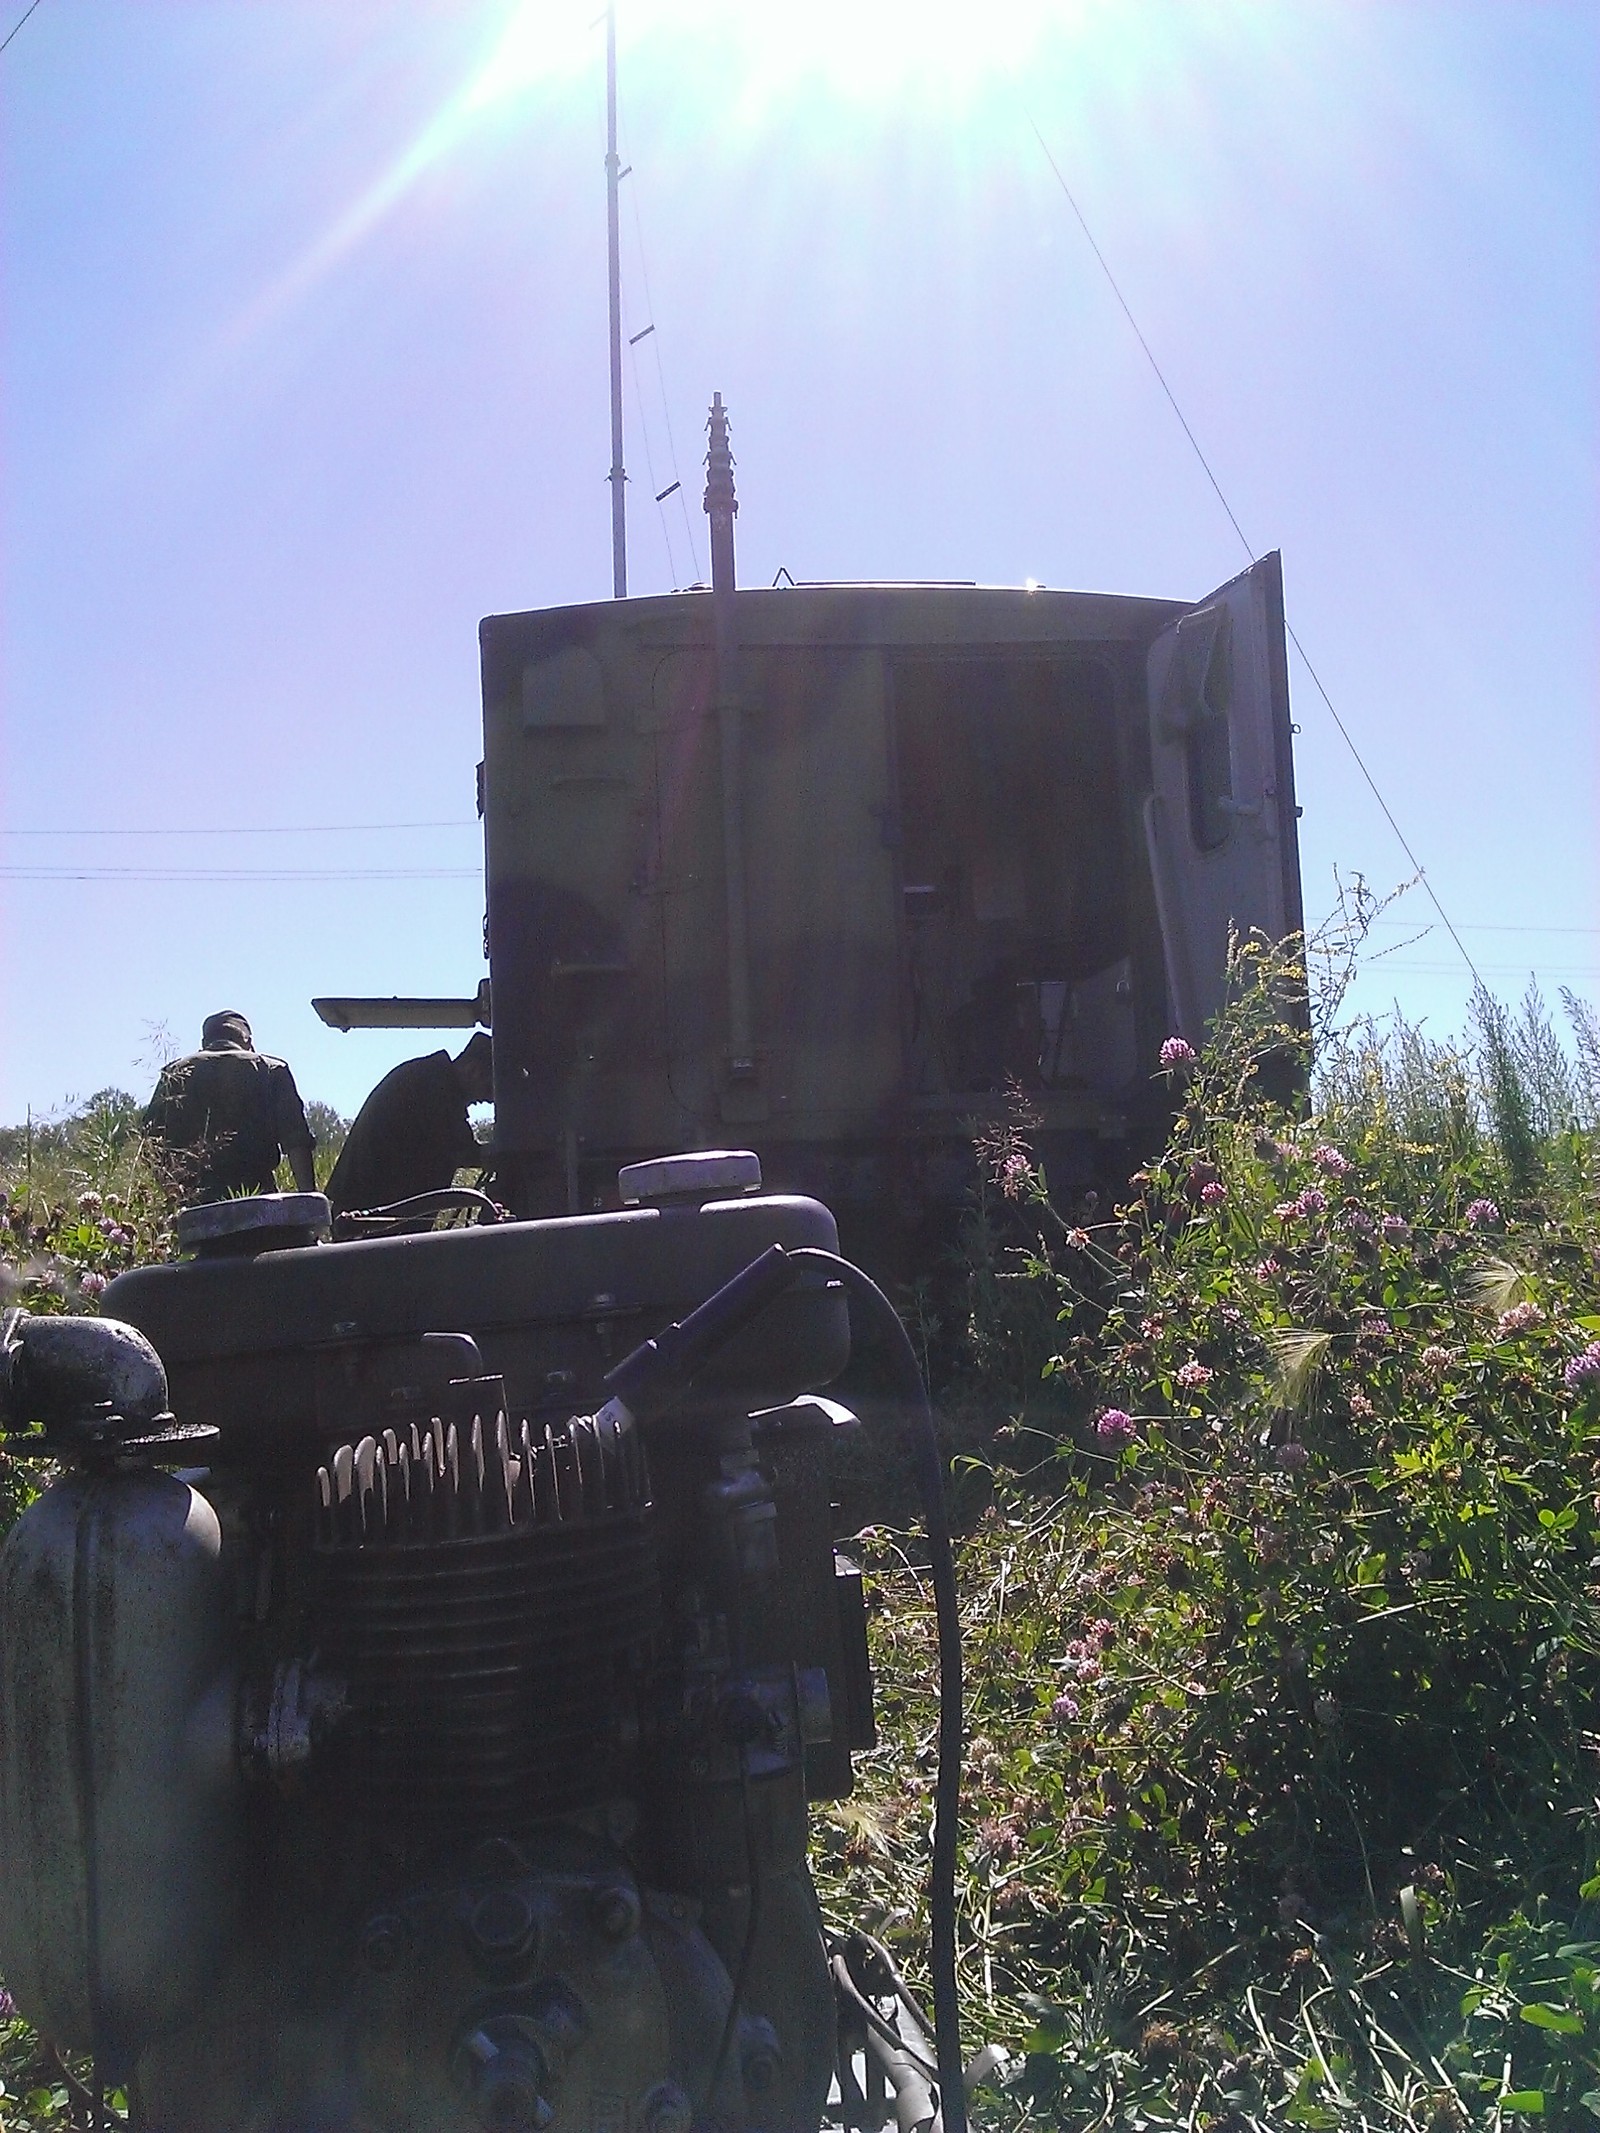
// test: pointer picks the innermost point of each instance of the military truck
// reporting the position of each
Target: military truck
(840, 872)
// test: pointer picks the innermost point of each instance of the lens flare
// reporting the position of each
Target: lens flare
(853, 50)
(834, 53)
(828, 75)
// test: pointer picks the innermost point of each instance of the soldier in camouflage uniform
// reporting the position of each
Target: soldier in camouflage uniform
(413, 1134)
(220, 1120)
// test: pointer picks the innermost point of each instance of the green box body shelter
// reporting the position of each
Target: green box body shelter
(832, 871)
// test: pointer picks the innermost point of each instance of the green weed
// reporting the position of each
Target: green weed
(1283, 1629)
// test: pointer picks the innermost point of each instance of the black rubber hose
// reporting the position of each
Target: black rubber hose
(929, 1467)
(656, 1372)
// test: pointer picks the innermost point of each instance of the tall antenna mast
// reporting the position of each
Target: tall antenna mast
(618, 477)
(722, 506)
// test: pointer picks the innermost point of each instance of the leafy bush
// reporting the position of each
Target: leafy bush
(1283, 1655)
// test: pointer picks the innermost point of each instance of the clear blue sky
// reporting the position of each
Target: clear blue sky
(304, 372)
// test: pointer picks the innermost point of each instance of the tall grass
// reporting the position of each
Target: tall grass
(97, 1146)
(1283, 1630)
(1509, 1102)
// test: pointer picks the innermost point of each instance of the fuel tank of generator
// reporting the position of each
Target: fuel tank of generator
(119, 1795)
(285, 1349)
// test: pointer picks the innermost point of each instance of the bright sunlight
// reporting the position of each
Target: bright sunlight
(849, 49)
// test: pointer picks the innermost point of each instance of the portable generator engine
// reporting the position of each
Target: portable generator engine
(413, 1681)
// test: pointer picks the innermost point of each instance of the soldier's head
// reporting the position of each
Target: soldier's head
(226, 1032)
(474, 1065)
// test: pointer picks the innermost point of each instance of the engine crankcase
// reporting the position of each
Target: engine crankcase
(542, 1988)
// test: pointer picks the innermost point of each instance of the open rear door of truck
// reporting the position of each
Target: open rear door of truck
(1220, 817)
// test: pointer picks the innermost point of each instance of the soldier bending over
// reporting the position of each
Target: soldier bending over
(412, 1134)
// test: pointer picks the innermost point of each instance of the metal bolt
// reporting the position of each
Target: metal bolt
(666, 2109)
(560, 2020)
(384, 1941)
(503, 2071)
(509, 2100)
(617, 1912)
(502, 1927)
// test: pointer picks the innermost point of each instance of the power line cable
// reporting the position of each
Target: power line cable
(1539, 972)
(242, 874)
(21, 19)
(1372, 784)
(1399, 925)
(251, 829)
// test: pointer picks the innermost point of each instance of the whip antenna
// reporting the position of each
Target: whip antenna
(618, 476)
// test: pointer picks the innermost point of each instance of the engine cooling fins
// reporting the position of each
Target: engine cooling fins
(441, 1480)
(487, 1591)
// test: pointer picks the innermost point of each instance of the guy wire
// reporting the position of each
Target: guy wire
(21, 19)
(1418, 868)
(661, 381)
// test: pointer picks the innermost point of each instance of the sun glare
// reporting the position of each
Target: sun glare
(735, 65)
(875, 50)
(870, 50)
(539, 41)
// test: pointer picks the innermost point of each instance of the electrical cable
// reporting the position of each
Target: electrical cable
(1404, 842)
(254, 829)
(255, 874)
(1400, 925)
(416, 1211)
(1493, 970)
(747, 1946)
(1418, 868)
(653, 1375)
(890, 2057)
(21, 19)
(928, 1465)
(1139, 337)
(891, 1971)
